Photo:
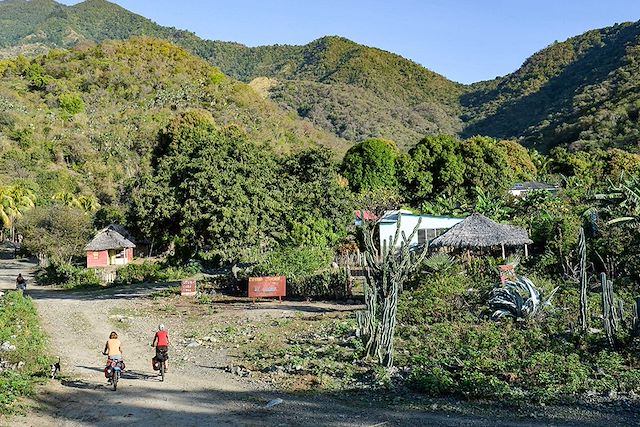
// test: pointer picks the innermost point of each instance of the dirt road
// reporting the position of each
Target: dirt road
(197, 391)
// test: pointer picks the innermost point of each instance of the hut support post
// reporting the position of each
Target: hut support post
(526, 250)
(503, 253)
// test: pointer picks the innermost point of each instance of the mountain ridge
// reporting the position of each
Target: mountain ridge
(359, 92)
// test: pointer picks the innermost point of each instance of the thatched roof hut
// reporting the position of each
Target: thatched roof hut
(108, 239)
(478, 231)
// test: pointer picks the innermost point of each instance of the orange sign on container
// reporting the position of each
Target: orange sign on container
(260, 287)
(188, 288)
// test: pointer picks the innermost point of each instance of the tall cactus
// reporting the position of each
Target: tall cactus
(384, 275)
(635, 321)
(582, 249)
(609, 317)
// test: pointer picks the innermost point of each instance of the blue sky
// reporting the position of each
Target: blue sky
(464, 40)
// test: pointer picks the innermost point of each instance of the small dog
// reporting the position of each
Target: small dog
(55, 369)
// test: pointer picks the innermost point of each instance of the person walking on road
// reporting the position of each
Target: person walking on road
(21, 283)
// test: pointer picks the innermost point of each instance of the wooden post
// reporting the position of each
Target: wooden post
(503, 254)
(526, 250)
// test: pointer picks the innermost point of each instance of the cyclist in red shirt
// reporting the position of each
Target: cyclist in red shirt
(161, 343)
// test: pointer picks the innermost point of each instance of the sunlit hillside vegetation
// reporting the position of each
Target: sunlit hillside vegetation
(86, 120)
(580, 93)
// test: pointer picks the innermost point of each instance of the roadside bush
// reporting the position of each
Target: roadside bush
(437, 297)
(432, 381)
(68, 276)
(139, 273)
(295, 263)
(450, 347)
(154, 272)
(20, 328)
(306, 270)
(327, 284)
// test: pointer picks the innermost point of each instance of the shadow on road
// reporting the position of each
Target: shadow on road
(171, 405)
(126, 374)
(139, 290)
(80, 384)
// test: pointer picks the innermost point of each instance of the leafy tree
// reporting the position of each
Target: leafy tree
(37, 77)
(444, 166)
(435, 168)
(213, 191)
(318, 206)
(216, 193)
(107, 215)
(55, 233)
(371, 165)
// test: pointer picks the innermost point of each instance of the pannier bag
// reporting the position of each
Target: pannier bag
(155, 363)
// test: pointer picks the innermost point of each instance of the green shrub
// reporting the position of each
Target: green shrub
(139, 273)
(306, 271)
(71, 103)
(437, 297)
(19, 326)
(68, 276)
(432, 381)
(294, 262)
(154, 272)
(37, 77)
(477, 384)
(327, 284)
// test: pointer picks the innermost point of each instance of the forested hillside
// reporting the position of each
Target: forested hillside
(581, 93)
(584, 92)
(83, 121)
(410, 101)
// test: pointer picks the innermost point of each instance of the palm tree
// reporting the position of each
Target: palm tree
(14, 202)
(66, 198)
(7, 206)
(86, 203)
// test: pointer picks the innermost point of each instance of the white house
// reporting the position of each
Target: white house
(430, 227)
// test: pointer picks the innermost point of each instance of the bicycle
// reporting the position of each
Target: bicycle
(160, 363)
(113, 371)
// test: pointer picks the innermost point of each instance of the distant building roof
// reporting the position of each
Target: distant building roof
(392, 216)
(109, 239)
(368, 215)
(121, 230)
(530, 185)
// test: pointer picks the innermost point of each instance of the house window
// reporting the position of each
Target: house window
(422, 236)
(95, 255)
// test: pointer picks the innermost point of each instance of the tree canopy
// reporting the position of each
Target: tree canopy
(215, 192)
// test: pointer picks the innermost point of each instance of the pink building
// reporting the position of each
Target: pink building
(109, 248)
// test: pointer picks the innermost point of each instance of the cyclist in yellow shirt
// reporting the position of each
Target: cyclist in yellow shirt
(113, 351)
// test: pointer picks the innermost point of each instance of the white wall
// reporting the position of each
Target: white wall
(408, 223)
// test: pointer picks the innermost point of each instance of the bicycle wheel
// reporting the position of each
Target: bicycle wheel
(114, 379)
